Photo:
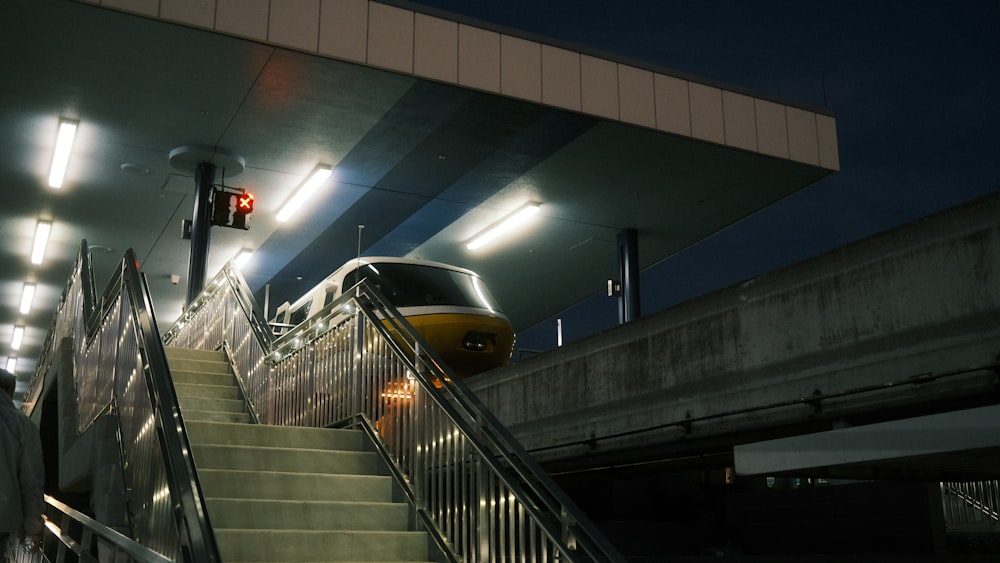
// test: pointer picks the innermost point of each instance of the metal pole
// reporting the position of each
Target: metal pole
(628, 265)
(201, 224)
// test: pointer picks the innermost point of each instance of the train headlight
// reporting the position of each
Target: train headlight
(477, 341)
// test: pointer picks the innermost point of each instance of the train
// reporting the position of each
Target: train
(450, 307)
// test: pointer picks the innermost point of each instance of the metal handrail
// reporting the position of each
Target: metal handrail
(491, 437)
(77, 293)
(67, 529)
(975, 503)
(119, 367)
(190, 507)
(358, 359)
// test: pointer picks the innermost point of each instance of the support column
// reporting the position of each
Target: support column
(628, 269)
(201, 225)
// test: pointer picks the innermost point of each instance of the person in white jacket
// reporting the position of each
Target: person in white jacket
(22, 473)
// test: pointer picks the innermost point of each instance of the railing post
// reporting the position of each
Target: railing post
(483, 528)
(355, 379)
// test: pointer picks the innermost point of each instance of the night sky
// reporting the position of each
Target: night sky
(913, 85)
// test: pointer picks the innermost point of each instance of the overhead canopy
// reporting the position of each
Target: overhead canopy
(436, 128)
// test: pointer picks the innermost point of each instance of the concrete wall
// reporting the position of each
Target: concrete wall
(922, 299)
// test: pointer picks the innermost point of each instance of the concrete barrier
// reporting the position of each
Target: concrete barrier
(884, 328)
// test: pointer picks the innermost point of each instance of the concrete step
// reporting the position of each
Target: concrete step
(289, 460)
(263, 435)
(246, 514)
(306, 545)
(193, 416)
(207, 391)
(279, 485)
(204, 361)
(194, 354)
(280, 493)
(211, 404)
(202, 377)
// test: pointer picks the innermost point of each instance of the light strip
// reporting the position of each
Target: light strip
(26, 297)
(305, 191)
(60, 158)
(242, 257)
(11, 363)
(41, 239)
(515, 220)
(15, 342)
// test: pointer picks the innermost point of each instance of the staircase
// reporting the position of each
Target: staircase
(284, 494)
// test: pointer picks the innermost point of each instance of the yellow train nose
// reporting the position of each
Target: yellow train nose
(468, 343)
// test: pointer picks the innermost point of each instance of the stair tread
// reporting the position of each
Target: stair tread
(349, 503)
(279, 449)
(200, 385)
(301, 493)
(256, 532)
(298, 473)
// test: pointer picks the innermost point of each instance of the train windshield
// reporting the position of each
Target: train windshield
(417, 285)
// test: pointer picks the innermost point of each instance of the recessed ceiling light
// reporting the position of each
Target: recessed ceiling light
(60, 158)
(242, 257)
(304, 192)
(26, 296)
(508, 225)
(15, 341)
(42, 230)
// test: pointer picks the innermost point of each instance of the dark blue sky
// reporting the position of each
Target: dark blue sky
(913, 85)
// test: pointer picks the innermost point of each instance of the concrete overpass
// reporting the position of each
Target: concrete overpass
(902, 325)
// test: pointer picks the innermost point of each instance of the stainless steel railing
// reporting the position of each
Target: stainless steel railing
(119, 367)
(973, 504)
(71, 535)
(359, 362)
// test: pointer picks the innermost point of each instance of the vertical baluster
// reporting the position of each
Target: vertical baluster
(978, 500)
(522, 534)
(968, 515)
(995, 499)
(508, 519)
(453, 468)
(483, 499)
(438, 474)
(466, 515)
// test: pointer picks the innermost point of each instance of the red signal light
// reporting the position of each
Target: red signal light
(244, 203)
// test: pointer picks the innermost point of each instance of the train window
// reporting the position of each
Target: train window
(416, 285)
(330, 293)
(299, 315)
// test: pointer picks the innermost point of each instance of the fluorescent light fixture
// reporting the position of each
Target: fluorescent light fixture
(11, 363)
(60, 158)
(26, 296)
(305, 191)
(15, 342)
(242, 257)
(41, 239)
(517, 219)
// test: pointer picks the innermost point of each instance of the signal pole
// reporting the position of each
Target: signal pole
(201, 229)
(204, 161)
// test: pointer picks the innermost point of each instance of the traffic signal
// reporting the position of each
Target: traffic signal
(244, 206)
(244, 203)
(231, 208)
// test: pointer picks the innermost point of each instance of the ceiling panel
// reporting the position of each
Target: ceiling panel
(423, 165)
